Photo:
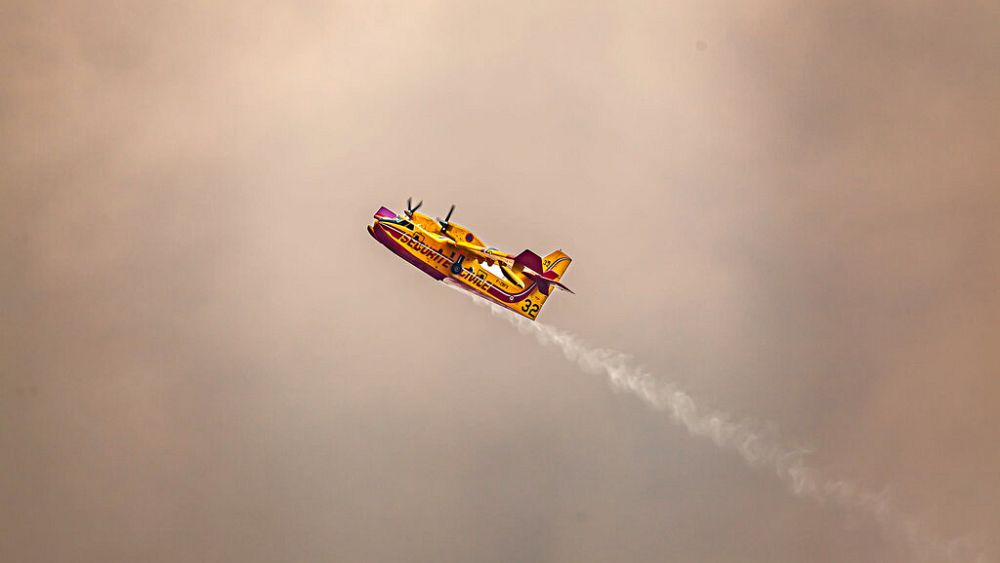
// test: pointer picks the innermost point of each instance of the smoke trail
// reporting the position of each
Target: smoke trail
(758, 445)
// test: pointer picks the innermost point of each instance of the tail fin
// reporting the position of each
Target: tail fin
(551, 267)
(545, 272)
(557, 262)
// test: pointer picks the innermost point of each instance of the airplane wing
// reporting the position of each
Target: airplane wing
(507, 263)
(513, 267)
(488, 255)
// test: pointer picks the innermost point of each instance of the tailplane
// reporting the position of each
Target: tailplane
(552, 267)
(545, 272)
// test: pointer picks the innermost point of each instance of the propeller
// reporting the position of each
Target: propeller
(410, 210)
(444, 222)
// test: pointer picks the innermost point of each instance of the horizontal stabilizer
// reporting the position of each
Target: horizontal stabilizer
(545, 278)
(531, 260)
(543, 285)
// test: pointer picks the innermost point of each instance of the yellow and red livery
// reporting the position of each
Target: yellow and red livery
(446, 250)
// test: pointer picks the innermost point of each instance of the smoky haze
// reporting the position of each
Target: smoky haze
(789, 210)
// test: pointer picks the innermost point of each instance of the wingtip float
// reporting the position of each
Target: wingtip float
(443, 250)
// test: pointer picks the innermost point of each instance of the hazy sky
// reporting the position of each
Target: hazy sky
(789, 209)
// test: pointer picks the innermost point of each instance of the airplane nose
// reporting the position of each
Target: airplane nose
(376, 227)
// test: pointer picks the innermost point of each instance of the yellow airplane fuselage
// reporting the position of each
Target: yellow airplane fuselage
(420, 240)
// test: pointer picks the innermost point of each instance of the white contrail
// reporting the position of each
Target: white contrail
(759, 445)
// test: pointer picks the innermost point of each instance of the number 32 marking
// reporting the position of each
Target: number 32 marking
(530, 309)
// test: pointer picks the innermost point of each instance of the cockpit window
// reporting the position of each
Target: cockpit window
(400, 221)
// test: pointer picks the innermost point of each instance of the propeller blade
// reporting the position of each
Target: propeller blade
(410, 209)
(448, 216)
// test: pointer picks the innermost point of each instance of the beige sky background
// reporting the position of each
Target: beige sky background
(788, 209)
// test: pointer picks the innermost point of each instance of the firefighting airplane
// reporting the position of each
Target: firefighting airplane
(442, 249)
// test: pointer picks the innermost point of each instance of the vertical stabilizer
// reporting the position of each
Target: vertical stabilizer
(557, 262)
